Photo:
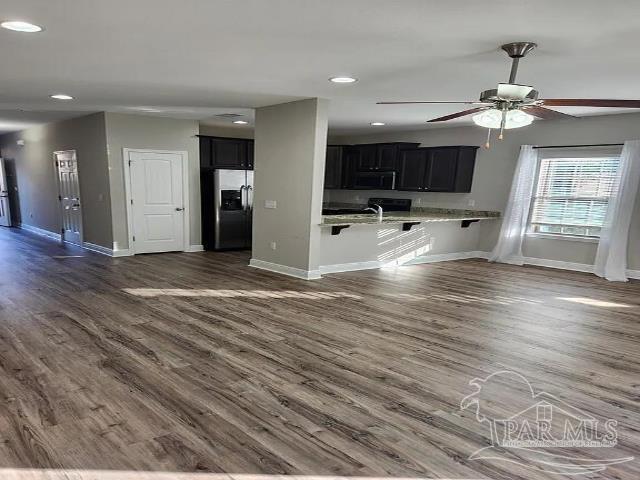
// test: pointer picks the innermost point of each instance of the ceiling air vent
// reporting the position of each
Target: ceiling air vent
(229, 115)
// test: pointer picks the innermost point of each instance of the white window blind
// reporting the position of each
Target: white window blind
(572, 193)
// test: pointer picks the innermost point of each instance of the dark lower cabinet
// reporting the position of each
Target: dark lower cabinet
(437, 169)
(227, 153)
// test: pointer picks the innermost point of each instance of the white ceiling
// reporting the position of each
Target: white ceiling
(198, 58)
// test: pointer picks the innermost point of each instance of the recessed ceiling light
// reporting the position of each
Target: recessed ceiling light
(61, 96)
(241, 122)
(18, 26)
(377, 124)
(343, 79)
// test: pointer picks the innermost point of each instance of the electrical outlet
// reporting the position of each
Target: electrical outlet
(273, 245)
(270, 204)
(471, 202)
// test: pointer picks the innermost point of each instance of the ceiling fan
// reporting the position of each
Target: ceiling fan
(513, 106)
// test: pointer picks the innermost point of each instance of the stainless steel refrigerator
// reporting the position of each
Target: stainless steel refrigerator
(227, 208)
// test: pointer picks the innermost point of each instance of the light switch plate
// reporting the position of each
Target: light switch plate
(270, 204)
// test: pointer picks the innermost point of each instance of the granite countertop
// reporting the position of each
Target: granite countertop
(415, 215)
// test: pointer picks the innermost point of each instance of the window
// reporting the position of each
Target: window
(572, 192)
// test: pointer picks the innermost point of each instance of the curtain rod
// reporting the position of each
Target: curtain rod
(576, 146)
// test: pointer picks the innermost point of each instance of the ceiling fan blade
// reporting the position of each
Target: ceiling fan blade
(456, 115)
(410, 103)
(545, 113)
(590, 102)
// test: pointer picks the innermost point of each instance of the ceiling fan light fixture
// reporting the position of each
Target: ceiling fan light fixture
(493, 117)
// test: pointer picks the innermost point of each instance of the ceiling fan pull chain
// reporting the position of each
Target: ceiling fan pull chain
(503, 122)
(487, 144)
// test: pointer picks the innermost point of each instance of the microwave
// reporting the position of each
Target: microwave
(374, 180)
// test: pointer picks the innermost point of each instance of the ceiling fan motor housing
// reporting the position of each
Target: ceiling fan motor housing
(492, 96)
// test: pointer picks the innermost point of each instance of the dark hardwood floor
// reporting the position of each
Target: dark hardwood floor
(199, 363)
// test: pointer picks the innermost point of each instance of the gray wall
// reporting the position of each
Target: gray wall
(494, 173)
(36, 177)
(290, 154)
(147, 132)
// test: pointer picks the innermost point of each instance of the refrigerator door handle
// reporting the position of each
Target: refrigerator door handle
(243, 202)
(249, 197)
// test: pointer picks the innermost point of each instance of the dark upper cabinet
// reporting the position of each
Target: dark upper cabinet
(412, 166)
(388, 157)
(441, 169)
(437, 169)
(205, 151)
(250, 154)
(367, 157)
(232, 153)
(378, 156)
(334, 167)
(228, 153)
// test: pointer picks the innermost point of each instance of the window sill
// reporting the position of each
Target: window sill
(571, 238)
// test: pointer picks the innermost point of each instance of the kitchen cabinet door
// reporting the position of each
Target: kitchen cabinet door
(465, 167)
(387, 157)
(333, 167)
(250, 154)
(229, 152)
(441, 170)
(413, 167)
(368, 158)
(205, 152)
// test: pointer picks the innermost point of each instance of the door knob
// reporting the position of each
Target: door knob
(179, 209)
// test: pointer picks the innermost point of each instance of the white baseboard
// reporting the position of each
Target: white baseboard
(635, 274)
(195, 248)
(285, 270)
(350, 267)
(97, 249)
(543, 262)
(446, 257)
(443, 257)
(41, 231)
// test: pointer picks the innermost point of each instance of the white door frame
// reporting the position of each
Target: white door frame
(60, 210)
(185, 193)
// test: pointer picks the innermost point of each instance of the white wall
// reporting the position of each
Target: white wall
(147, 132)
(494, 173)
(290, 151)
(36, 175)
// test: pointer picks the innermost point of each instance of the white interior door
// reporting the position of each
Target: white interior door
(157, 208)
(5, 211)
(69, 195)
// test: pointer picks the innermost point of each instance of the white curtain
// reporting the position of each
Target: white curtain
(611, 258)
(514, 223)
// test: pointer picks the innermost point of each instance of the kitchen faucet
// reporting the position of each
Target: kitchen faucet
(378, 211)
